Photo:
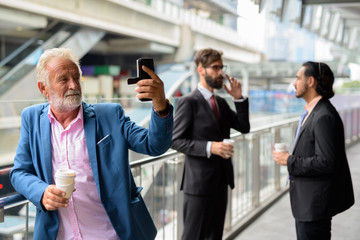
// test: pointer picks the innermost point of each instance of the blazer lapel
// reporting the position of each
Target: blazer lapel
(90, 137)
(208, 109)
(308, 121)
(45, 132)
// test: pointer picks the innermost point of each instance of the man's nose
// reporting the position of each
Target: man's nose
(73, 83)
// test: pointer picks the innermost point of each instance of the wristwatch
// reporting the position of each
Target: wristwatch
(165, 111)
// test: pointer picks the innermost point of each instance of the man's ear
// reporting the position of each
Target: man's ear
(42, 89)
(200, 70)
(311, 82)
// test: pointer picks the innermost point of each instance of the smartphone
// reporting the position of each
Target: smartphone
(141, 74)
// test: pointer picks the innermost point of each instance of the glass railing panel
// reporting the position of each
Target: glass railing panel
(242, 193)
(267, 166)
(161, 184)
(17, 224)
(287, 135)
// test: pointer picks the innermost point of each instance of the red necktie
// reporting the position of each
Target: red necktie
(214, 108)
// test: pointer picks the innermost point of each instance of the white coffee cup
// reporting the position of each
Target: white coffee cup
(280, 147)
(231, 142)
(65, 180)
(68, 189)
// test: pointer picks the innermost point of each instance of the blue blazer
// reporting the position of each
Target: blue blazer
(32, 171)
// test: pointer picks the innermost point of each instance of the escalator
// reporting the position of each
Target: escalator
(20, 65)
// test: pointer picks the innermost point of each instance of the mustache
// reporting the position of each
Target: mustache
(72, 92)
(221, 77)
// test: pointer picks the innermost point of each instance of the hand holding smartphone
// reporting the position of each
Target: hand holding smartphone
(141, 74)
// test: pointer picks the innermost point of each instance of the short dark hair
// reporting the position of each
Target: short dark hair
(324, 77)
(207, 56)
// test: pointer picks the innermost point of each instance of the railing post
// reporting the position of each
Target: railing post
(2, 212)
(227, 224)
(277, 139)
(180, 198)
(255, 159)
(27, 222)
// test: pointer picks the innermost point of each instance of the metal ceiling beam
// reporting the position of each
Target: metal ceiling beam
(261, 4)
(313, 2)
(334, 25)
(302, 15)
(284, 6)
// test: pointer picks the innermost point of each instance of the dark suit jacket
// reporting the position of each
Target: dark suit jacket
(194, 126)
(320, 181)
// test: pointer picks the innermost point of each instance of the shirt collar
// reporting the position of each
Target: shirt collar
(310, 106)
(80, 115)
(205, 92)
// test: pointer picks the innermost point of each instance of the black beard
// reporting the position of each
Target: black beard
(213, 83)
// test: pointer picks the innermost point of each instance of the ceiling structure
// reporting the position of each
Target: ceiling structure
(337, 21)
(213, 6)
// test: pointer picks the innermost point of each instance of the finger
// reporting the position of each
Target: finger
(56, 191)
(147, 82)
(150, 72)
(52, 205)
(227, 76)
(226, 88)
(145, 96)
(144, 88)
(150, 85)
(57, 196)
(53, 202)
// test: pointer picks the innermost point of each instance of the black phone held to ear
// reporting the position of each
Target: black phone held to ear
(141, 74)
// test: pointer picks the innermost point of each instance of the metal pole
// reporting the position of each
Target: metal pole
(255, 154)
(27, 222)
(277, 139)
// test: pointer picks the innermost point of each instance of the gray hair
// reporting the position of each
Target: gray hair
(42, 74)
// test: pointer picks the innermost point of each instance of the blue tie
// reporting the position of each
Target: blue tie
(299, 125)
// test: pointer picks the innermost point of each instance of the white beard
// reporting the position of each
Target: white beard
(67, 103)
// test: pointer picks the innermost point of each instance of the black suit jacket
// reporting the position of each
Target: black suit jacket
(194, 126)
(320, 181)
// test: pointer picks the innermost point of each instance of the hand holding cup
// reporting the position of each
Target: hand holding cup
(280, 147)
(280, 154)
(65, 180)
(231, 142)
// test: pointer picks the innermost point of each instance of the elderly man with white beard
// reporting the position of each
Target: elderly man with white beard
(92, 140)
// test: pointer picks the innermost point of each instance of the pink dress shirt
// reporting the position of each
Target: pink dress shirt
(310, 106)
(85, 217)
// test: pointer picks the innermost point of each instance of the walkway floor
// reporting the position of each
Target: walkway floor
(277, 223)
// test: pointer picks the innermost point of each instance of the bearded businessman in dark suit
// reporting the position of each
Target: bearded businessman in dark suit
(320, 181)
(199, 131)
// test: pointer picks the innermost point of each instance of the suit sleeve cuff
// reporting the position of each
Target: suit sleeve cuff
(208, 149)
(240, 99)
